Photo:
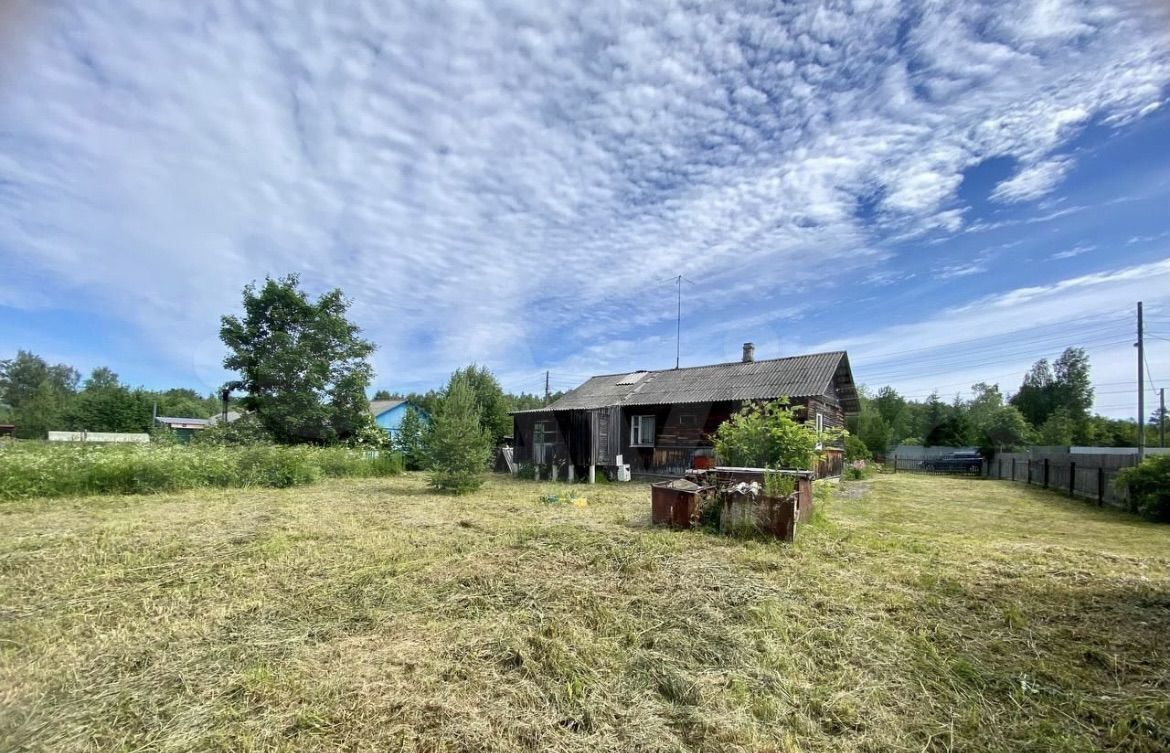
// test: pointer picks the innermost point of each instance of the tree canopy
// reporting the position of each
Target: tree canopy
(303, 364)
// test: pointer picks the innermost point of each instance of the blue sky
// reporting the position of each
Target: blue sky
(949, 191)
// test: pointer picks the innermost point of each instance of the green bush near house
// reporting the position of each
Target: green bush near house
(770, 436)
(855, 449)
(1149, 487)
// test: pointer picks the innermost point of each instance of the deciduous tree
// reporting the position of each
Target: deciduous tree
(303, 363)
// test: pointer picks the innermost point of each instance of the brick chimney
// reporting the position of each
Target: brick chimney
(749, 352)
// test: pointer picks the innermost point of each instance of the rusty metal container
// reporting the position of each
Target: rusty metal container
(773, 515)
(675, 503)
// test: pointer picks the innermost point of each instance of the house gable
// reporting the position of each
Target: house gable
(388, 414)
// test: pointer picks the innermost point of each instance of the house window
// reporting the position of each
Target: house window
(820, 430)
(687, 419)
(642, 431)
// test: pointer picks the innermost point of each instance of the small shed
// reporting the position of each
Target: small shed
(183, 427)
(7, 430)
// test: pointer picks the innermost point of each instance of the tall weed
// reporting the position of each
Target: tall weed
(39, 469)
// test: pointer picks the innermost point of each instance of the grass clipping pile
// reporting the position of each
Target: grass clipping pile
(371, 615)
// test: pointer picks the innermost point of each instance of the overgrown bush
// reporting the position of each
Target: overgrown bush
(458, 447)
(47, 470)
(769, 436)
(1149, 487)
(855, 449)
(245, 430)
(779, 485)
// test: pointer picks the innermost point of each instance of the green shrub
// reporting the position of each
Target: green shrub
(245, 430)
(1149, 487)
(779, 485)
(769, 436)
(277, 467)
(855, 449)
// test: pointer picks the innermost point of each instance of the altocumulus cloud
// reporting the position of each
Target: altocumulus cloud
(485, 179)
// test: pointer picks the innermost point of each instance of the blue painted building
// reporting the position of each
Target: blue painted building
(389, 413)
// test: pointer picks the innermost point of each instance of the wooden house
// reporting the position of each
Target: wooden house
(388, 414)
(660, 422)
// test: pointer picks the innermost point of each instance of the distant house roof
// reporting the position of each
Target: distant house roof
(378, 407)
(232, 417)
(795, 377)
(179, 422)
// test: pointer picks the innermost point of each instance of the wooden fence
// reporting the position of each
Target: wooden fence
(900, 464)
(1088, 476)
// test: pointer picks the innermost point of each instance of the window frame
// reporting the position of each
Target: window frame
(820, 426)
(639, 424)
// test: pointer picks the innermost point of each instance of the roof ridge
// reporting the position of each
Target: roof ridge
(723, 363)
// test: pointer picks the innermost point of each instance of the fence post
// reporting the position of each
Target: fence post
(1100, 486)
(1045, 473)
(1029, 471)
(895, 464)
(999, 472)
(1013, 470)
(1072, 479)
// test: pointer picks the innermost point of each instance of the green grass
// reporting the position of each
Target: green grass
(42, 469)
(372, 615)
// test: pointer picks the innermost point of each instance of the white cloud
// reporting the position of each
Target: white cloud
(1073, 252)
(956, 271)
(1033, 181)
(509, 183)
(997, 337)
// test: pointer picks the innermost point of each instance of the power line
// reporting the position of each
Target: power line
(950, 364)
(1094, 322)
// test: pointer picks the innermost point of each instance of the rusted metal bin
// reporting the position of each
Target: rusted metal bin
(675, 503)
(724, 475)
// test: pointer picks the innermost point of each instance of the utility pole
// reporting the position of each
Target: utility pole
(1141, 424)
(547, 394)
(678, 280)
(1162, 417)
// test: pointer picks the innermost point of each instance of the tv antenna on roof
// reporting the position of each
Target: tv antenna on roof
(678, 280)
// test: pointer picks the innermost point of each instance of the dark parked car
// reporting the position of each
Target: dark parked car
(966, 462)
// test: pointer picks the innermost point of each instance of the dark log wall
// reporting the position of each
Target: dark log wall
(581, 437)
(523, 430)
(678, 431)
(834, 417)
(585, 437)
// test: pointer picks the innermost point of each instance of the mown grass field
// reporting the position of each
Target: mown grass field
(372, 615)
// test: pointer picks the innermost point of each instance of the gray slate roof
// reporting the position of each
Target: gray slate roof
(181, 420)
(232, 417)
(798, 376)
(378, 407)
